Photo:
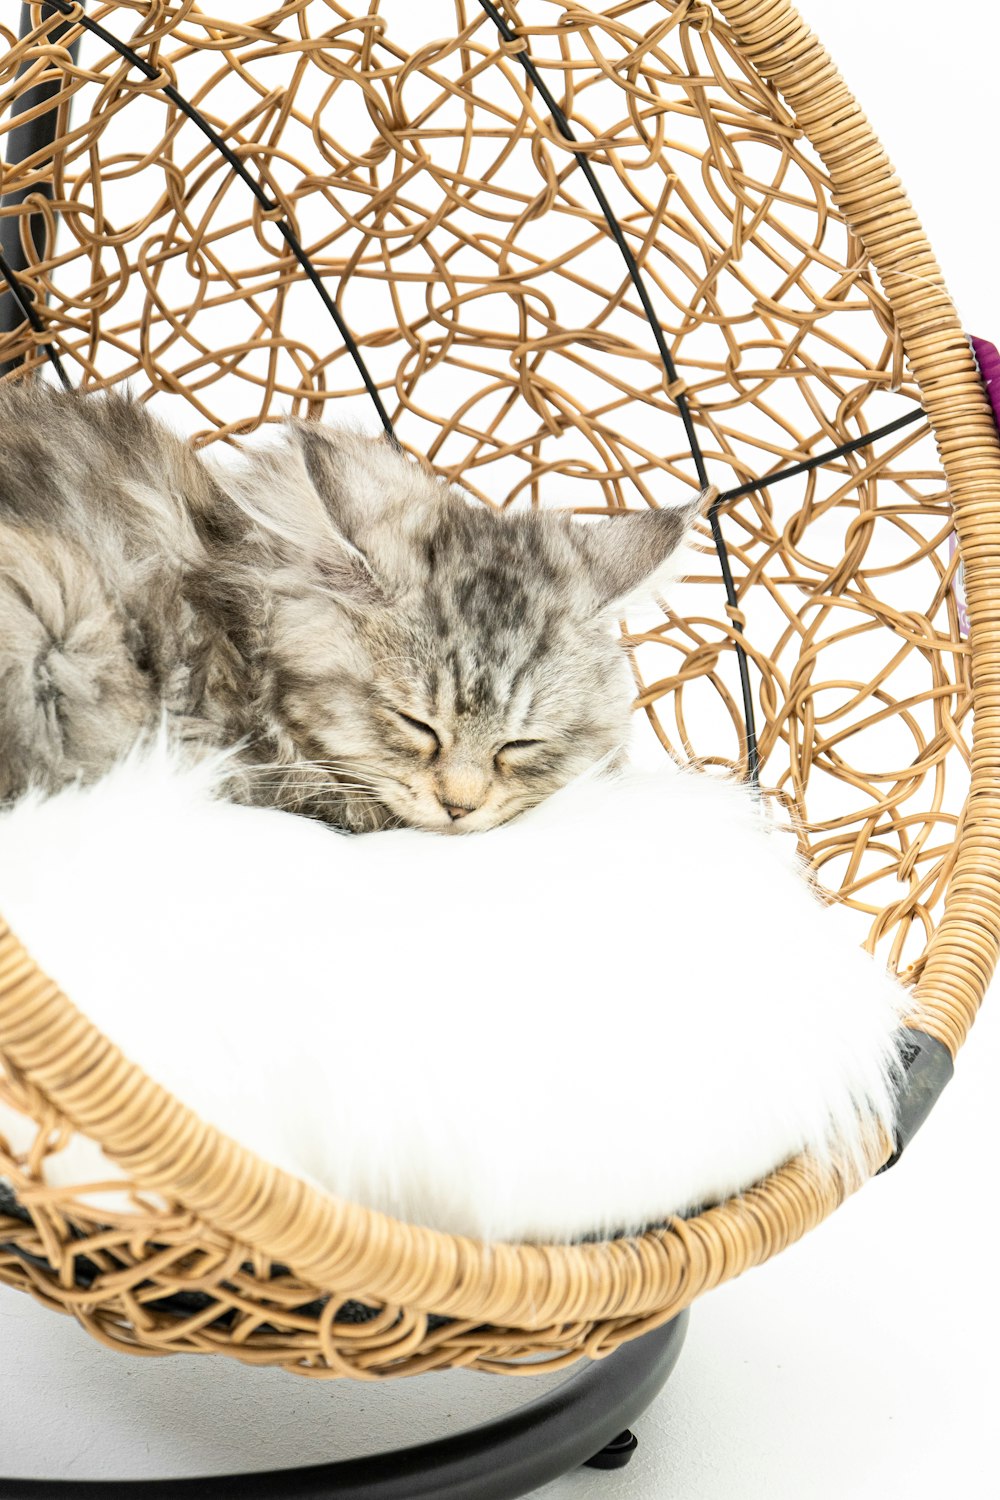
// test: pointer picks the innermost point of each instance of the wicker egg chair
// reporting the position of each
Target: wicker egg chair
(646, 244)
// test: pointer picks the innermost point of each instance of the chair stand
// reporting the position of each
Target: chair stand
(585, 1420)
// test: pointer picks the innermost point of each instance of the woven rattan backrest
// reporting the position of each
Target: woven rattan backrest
(442, 207)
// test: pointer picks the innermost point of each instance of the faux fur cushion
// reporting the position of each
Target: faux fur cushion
(623, 1005)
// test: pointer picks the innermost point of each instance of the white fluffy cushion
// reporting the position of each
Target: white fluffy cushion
(626, 1004)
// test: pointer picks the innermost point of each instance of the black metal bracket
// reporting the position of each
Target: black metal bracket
(585, 1419)
(927, 1067)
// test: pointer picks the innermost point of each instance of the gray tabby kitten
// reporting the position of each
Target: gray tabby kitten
(383, 651)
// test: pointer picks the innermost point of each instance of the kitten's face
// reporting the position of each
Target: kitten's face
(452, 664)
(462, 723)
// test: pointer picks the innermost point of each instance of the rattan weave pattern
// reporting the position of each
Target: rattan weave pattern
(790, 275)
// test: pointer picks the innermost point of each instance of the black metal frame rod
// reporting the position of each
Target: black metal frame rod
(808, 464)
(523, 56)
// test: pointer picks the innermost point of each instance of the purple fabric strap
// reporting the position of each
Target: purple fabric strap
(988, 359)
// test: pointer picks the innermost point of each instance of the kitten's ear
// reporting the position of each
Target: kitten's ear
(345, 571)
(356, 477)
(349, 476)
(633, 554)
(328, 469)
(292, 492)
(373, 496)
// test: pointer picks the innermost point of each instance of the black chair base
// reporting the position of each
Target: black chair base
(584, 1420)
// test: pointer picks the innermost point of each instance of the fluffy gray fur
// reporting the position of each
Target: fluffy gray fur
(382, 650)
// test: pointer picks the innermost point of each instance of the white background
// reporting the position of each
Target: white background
(861, 1363)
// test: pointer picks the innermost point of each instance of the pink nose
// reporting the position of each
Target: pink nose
(455, 812)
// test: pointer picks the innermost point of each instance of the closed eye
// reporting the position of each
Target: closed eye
(512, 747)
(420, 727)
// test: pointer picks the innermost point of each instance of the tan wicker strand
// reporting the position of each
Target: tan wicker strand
(792, 277)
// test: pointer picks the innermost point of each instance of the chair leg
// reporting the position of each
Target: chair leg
(583, 1421)
(616, 1454)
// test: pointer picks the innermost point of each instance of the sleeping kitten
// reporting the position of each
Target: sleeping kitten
(383, 650)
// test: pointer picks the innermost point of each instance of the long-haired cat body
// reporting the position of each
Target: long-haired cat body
(383, 650)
